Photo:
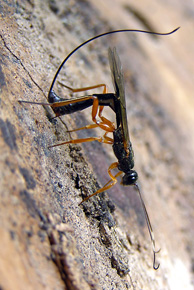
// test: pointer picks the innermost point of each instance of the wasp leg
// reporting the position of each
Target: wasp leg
(107, 126)
(109, 184)
(117, 175)
(104, 124)
(103, 139)
(91, 126)
(95, 107)
(107, 123)
(86, 88)
(107, 139)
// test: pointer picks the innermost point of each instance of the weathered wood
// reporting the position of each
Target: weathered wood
(47, 240)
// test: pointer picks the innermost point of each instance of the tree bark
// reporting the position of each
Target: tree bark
(47, 240)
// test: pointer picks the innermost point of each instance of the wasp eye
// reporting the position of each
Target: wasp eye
(130, 178)
(52, 97)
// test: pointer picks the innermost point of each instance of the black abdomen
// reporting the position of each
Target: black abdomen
(125, 157)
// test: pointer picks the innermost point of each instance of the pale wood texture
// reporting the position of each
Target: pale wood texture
(48, 241)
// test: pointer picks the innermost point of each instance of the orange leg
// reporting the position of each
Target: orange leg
(109, 184)
(117, 175)
(91, 126)
(86, 88)
(108, 139)
(105, 124)
(103, 139)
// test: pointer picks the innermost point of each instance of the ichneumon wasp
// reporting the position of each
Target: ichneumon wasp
(120, 141)
(63, 106)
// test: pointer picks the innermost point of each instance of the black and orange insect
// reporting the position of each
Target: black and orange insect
(120, 140)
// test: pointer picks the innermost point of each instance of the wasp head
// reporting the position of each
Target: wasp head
(129, 178)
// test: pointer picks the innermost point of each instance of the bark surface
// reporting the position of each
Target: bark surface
(47, 240)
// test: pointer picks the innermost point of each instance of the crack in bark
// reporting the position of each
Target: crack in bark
(18, 59)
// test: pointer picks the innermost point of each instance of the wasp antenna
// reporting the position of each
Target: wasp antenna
(98, 36)
(34, 103)
(154, 262)
(149, 229)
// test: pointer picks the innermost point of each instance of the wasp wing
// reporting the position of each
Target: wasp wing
(118, 82)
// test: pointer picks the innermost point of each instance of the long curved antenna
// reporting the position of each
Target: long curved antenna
(149, 228)
(98, 36)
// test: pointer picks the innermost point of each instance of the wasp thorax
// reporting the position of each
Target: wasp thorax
(130, 178)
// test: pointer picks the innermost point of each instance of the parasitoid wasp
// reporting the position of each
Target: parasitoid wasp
(120, 142)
